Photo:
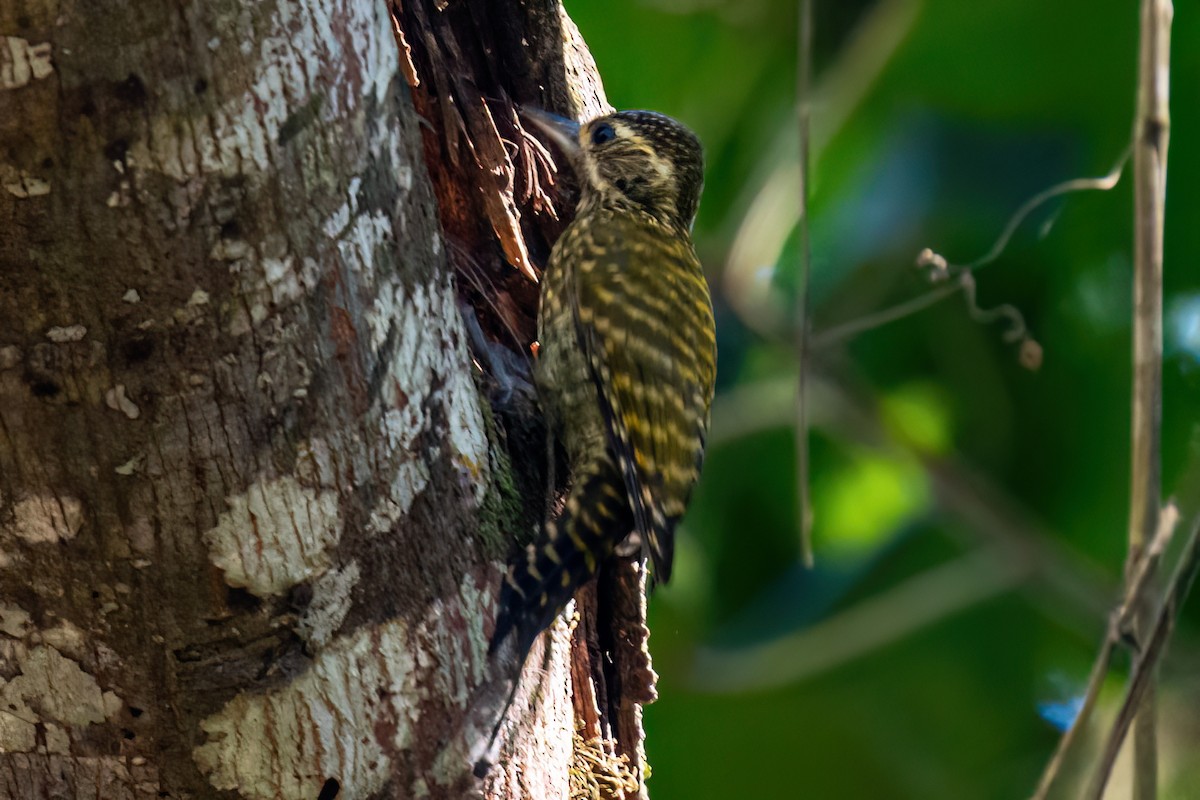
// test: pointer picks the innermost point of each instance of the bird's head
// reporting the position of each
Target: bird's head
(632, 159)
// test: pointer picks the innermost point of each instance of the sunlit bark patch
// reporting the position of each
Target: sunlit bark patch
(274, 536)
(42, 518)
(22, 62)
(356, 708)
(48, 688)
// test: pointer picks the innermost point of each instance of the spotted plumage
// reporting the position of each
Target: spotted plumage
(627, 358)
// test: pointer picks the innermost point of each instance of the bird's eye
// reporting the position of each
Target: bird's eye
(603, 133)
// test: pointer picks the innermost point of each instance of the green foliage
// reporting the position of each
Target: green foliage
(935, 121)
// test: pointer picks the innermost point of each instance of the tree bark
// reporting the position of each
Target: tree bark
(253, 498)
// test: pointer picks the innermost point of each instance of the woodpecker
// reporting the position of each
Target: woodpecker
(626, 361)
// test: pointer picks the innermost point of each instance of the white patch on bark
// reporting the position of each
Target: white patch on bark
(14, 620)
(287, 743)
(397, 431)
(131, 466)
(467, 434)
(460, 651)
(356, 704)
(422, 328)
(268, 274)
(66, 638)
(116, 399)
(358, 243)
(274, 536)
(17, 734)
(22, 63)
(429, 349)
(230, 250)
(68, 333)
(329, 605)
(543, 699)
(308, 58)
(21, 183)
(42, 518)
(337, 223)
(49, 687)
(286, 280)
(404, 176)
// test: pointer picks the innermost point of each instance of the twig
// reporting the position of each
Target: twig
(1132, 619)
(772, 204)
(1150, 135)
(847, 330)
(960, 280)
(958, 276)
(804, 111)
(1117, 628)
(1095, 681)
(1102, 183)
(1142, 678)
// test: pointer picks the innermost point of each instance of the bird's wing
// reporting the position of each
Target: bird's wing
(644, 322)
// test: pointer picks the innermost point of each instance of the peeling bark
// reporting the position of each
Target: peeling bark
(254, 501)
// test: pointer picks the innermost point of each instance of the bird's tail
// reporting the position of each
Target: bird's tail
(540, 581)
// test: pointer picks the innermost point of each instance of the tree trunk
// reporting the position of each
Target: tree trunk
(253, 498)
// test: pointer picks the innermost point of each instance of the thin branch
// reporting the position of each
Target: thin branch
(1095, 681)
(1150, 135)
(1162, 623)
(848, 330)
(1118, 628)
(961, 280)
(1131, 619)
(957, 276)
(1102, 183)
(771, 202)
(804, 110)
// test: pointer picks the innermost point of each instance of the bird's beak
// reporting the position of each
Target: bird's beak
(560, 130)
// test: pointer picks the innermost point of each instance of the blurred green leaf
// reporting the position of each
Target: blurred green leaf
(866, 501)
